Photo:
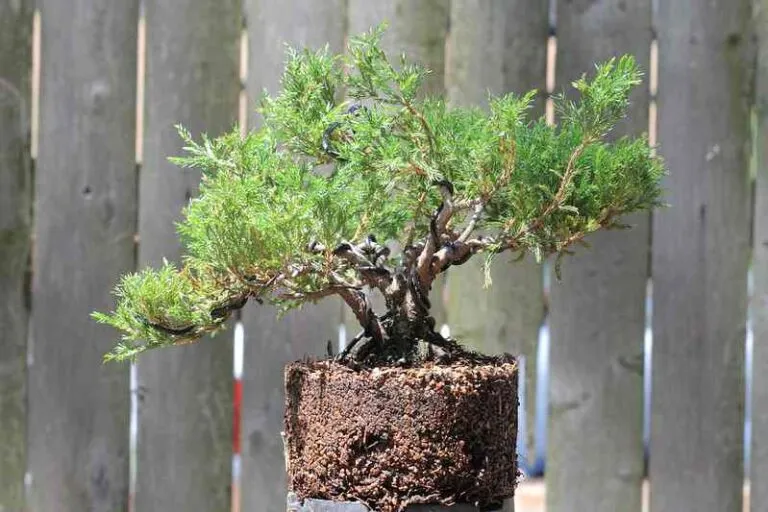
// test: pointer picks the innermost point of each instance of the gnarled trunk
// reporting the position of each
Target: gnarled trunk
(396, 335)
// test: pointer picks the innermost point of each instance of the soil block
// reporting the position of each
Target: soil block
(392, 437)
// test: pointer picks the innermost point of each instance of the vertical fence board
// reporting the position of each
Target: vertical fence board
(700, 255)
(85, 219)
(185, 408)
(416, 27)
(759, 442)
(15, 197)
(498, 47)
(419, 29)
(595, 443)
(272, 342)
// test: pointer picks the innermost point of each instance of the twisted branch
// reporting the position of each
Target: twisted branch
(437, 228)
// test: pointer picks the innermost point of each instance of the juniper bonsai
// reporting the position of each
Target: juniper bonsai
(356, 183)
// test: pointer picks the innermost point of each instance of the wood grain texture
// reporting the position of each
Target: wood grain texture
(185, 409)
(416, 27)
(15, 208)
(270, 342)
(85, 220)
(419, 29)
(595, 443)
(498, 47)
(700, 256)
(758, 472)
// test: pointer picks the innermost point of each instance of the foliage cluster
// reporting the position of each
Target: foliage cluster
(356, 181)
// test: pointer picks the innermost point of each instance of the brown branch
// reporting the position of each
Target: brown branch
(508, 149)
(361, 227)
(351, 253)
(457, 253)
(376, 277)
(562, 191)
(417, 213)
(317, 294)
(557, 201)
(606, 220)
(219, 314)
(478, 211)
(367, 260)
(361, 307)
(437, 228)
(465, 204)
(448, 255)
(424, 124)
(264, 287)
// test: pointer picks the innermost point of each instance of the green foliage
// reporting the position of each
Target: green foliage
(325, 170)
(163, 297)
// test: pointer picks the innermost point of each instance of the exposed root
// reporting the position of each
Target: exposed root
(364, 350)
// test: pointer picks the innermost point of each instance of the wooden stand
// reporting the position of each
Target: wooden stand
(347, 506)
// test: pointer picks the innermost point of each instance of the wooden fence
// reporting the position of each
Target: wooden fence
(80, 204)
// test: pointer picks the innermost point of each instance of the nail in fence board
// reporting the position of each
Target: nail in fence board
(597, 311)
(498, 47)
(185, 393)
(700, 256)
(758, 472)
(15, 208)
(271, 342)
(85, 220)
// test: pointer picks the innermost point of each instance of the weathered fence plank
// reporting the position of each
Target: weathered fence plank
(498, 47)
(416, 27)
(419, 29)
(85, 220)
(758, 472)
(595, 443)
(272, 342)
(700, 255)
(185, 408)
(15, 208)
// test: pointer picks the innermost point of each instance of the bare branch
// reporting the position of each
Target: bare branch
(265, 287)
(317, 294)
(361, 306)
(478, 211)
(376, 277)
(437, 228)
(465, 204)
(218, 314)
(367, 258)
(315, 247)
(448, 254)
(351, 253)
(224, 310)
(339, 280)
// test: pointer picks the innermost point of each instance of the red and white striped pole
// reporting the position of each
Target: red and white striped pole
(237, 400)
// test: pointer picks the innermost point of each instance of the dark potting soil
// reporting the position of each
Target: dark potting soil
(392, 437)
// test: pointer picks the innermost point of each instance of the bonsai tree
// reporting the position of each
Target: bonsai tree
(357, 184)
